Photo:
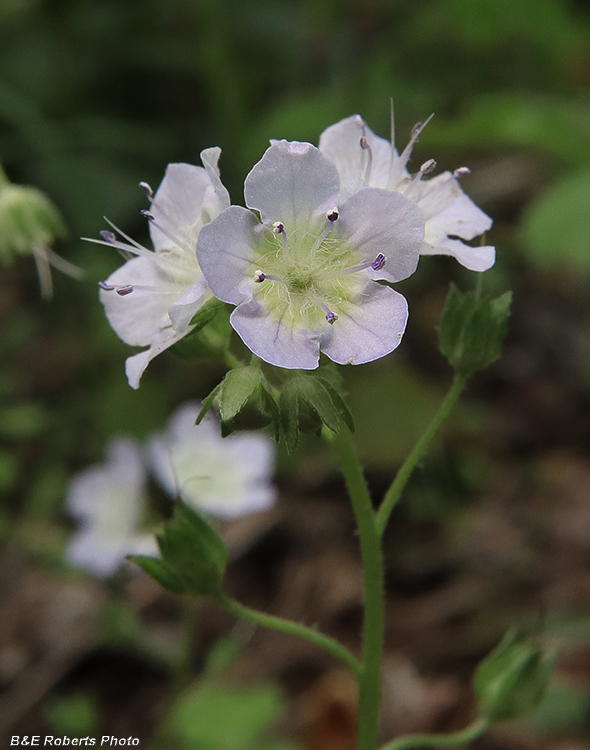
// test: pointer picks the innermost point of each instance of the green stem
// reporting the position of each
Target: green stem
(369, 677)
(472, 732)
(232, 361)
(292, 628)
(402, 476)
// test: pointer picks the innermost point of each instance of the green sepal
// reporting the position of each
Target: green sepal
(306, 403)
(513, 679)
(237, 388)
(472, 329)
(205, 314)
(289, 415)
(193, 557)
(208, 403)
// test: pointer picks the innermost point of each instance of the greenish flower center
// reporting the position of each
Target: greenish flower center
(306, 280)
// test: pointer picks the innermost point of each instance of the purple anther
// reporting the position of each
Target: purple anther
(461, 172)
(122, 291)
(108, 236)
(379, 262)
(146, 214)
(331, 317)
(278, 227)
(364, 142)
(148, 190)
(332, 215)
(105, 286)
(428, 166)
(259, 277)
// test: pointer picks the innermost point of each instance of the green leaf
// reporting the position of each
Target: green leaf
(472, 329)
(237, 388)
(193, 556)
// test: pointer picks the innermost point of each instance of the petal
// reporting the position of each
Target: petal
(341, 143)
(447, 210)
(473, 258)
(217, 198)
(370, 329)
(177, 205)
(377, 221)
(225, 250)
(274, 341)
(184, 308)
(137, 317)
(135, 366)
(292, 183)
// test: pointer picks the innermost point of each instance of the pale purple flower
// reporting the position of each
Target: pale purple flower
(303, 277)
(108, 500)
(363, 159)
(152, 298)
(225, 477)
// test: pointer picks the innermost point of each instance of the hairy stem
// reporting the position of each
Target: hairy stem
(292, 628)
(472, 732)
(369, 677)
(402, 476)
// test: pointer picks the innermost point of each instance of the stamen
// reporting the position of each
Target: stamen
(398, 165)
(152, 219)
(332, 216)
(426, 168)
(105, 286)
(259, 277)
(379, 262)
(461, 172)
(331, 317)
(108, 236)
(122, 291)
(279, 228)
(148, 190)
(369, 163)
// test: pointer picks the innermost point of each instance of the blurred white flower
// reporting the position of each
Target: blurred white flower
(225, 477)
(151, 299)
(108, 500)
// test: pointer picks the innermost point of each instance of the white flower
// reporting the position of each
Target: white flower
(304, 277)
(363, 159)
(152, 298)
(108, 500)
(225, 477)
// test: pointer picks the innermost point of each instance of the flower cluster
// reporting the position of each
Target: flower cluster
(225, 478)
(308, 263)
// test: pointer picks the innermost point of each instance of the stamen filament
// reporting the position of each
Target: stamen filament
(398, 165)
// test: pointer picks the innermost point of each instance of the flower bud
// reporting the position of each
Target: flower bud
(513, 679)
(28, 220)
(472, 329)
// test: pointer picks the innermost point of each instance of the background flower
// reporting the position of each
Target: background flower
(108, 500)
(225, 477)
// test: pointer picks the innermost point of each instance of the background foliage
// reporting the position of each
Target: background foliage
(96, 95)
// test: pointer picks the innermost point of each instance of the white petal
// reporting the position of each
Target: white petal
(273, 340)
(226, 250)
(184, 308)
(177, 204)
(473, 258)
(293, 183)
(370, 329)
(137, 317)
(377, 221)
(135, 366)
(216, 197)
(341, 143)
(447, 210)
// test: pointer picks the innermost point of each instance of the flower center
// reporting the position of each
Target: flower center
(306, 280)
